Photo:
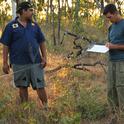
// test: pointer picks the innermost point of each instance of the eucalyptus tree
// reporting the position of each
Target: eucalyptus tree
(52, 9)
(59, 21)
(5, 14)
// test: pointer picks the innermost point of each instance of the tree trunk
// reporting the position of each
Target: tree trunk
(52, 20)
(17, 2)
(62, 3)
(76, 16)
(51, 11)
(102, 7)
(59, 21)
(119, 3)
(13, 9)
(47, 11)
(77, 8)
(65, 9)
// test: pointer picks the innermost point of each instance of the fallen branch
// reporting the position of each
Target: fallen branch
(66, 66)
(77, 66)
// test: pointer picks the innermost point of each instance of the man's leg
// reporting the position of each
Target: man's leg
(120, 84)
(113, 99)
(38, 82)
(23, 92)
(111, 87)
(121, 97)
(21, 80)
(112, 93)
(42, 95)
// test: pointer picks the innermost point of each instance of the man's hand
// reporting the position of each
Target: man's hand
(44, 56)
(44, 62)
(111, 46)
(6, 68)
(115, 46)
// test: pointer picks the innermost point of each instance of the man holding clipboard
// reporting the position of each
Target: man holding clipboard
(116, 60)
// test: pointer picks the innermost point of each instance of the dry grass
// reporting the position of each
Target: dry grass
(64, 88)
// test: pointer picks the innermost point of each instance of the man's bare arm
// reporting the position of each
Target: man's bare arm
(5, 59)
(44, 54)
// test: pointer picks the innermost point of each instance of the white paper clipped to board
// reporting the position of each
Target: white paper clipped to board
(98, 49)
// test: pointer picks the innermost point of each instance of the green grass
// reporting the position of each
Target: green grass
(90, 106)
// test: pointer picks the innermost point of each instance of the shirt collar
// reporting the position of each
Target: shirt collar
(29, 22)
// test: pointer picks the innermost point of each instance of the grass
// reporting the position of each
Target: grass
(91, 106)
(73, 95)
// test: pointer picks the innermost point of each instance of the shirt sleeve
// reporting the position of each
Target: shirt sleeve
(40, 35)
(6, 35)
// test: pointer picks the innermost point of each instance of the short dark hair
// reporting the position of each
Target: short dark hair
(110, 8)
(23, 6)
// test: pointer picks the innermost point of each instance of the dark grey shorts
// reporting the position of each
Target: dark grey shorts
(24, 75)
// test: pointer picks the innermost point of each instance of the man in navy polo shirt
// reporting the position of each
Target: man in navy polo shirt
(23, 40)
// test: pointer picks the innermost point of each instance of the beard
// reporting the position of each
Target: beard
(30, 18)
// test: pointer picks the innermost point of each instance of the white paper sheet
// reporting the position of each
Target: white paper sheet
(98, 48)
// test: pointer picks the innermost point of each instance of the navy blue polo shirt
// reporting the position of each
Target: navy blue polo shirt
(116, 36)
(23, 42)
